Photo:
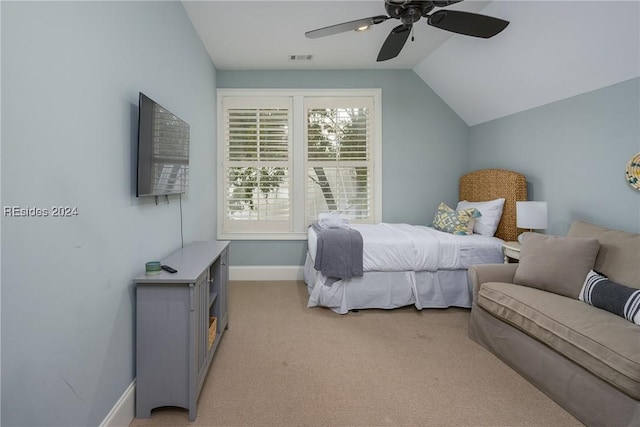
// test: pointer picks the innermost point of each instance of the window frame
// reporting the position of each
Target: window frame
(297, 156)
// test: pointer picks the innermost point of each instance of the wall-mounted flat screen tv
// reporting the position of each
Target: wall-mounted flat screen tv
(163, 151)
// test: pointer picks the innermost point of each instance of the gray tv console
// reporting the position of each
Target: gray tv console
(176, 334)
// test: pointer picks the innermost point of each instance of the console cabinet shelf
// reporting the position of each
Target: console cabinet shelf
(180, 318)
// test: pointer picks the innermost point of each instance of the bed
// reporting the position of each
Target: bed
(417, 265)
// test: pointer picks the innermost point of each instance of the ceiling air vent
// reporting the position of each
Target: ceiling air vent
(300, 57)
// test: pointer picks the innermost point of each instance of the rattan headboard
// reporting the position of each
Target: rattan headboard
(489, 184)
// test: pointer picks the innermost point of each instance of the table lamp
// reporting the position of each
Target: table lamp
(531, 215)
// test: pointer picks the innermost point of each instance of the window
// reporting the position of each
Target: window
(339, 157)
(257, 165)
(287, 156)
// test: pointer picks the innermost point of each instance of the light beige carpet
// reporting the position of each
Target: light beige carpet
(283, 364)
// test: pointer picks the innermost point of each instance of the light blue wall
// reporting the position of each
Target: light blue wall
(573, 153)
(71, 73)
(424, 148)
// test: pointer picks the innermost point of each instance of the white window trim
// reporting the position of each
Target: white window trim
(298, 153)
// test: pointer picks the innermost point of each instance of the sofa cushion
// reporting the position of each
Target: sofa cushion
(556, 264)
(602, 343)
(619, 256)
(603, 293)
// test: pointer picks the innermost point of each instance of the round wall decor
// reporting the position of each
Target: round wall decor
(633, 172)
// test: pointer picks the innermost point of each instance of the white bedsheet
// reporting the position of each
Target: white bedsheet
(404, 247)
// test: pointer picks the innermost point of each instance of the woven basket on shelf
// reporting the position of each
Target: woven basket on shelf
(490, 184)
(213, 329)
(633, 172)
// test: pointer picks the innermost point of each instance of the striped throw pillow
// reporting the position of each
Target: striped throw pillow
(601, 292)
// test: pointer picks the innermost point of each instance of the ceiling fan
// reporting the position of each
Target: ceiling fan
(410, 11)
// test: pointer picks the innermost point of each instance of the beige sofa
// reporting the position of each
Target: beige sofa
(585, 358)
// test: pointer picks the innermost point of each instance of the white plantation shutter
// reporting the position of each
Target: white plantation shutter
(339, 157)
(257, 165)
(287, 155)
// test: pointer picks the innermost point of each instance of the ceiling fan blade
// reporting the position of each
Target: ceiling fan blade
(444, 3)
(345, 26)
(394, 43)
(469, 24)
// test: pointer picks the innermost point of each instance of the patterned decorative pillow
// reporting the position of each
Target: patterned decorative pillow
(601, 292)
(455, 222)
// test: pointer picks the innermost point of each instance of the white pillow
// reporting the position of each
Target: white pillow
(491, 212)
(333, 220)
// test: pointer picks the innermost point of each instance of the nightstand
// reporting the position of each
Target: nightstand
(511, 251)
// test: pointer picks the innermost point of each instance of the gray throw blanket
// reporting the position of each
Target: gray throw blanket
(339, 252)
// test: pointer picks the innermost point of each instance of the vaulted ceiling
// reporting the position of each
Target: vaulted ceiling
(551, 50)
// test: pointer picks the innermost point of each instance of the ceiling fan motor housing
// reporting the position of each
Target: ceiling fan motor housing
(408, 12)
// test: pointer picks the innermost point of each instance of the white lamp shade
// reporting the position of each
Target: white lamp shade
(531, 215)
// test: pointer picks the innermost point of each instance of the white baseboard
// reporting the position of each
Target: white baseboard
(123, 412)
(283, 272)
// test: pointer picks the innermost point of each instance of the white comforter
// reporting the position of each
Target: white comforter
(404, 247)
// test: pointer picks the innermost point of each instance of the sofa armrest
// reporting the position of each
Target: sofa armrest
(483, 273)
